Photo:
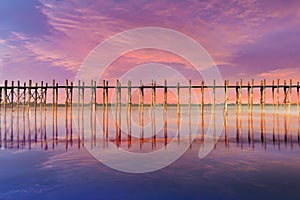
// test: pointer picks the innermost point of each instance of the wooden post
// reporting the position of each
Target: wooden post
(240, 93)
(273, 94)
(78, 108)
(154, 94)
(117, 96)
(277, 95)
(18, 95)
(290, 94)
(103, 94)
(202, 96)
(56, 95)
(106, 91)
(251, 100)
(45, 96)
(71, 95)
(92, 95)
(190, 95)
(41, 95)
(264, 86)
(24, 92)
(178, 99)
(285, 94)
(237, 96)
(82, 95)
(214, 95)
(298, 97)
(67, 93)
(129, 94)
(249, 96)
(29, 93)
(53, 95)
(5, 93)
(95, 95)
(165, 95)
(35, 96)
(119, 111)
(142, 96)
(12, 94)
(226, 96)
(261, 94)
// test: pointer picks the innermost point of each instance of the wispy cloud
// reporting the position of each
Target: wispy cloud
(241, 36)
(283, 73)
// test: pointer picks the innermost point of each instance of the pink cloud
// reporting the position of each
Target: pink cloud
(283, 74)
(224, 28)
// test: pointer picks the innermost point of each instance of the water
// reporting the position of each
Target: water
(45, 155)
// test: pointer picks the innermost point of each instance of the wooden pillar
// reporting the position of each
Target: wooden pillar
(251, 99)
(117, 96)
(71, 95)
(78, 94)
(154, 94)
(35, 96)
(241, 93)
(273, 94)
(298, 97)
(82, 95)
(29, 93)
(165, 95)
(56, 95)
(285, 93)
(249, 96)
(142, 97)
(41, 95)
(277, 95)
(120, 94)
(92, 95)
(264, 86)
(226, 96)
(119, 110)
(45, 96)
(95, 95)
(24, 95)
(237, 96)
(53, 95)
(67, 93)
(18, 95)
(290, 94)
(103, 94)
(12, 94)
(261, 94)
(128, 94)
(214, 95)
(202, 96)
(178, 99)
(71, 111)
(5, 93)
(78, 109)
(190, 95)
(106, 91)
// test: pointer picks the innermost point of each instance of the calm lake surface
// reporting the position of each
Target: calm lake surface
(46, 155)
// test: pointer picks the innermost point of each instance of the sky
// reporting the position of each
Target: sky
(49, 39)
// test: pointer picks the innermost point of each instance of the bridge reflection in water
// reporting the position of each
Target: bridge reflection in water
(148, 129)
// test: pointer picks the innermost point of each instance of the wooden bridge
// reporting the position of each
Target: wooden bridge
(36, 94)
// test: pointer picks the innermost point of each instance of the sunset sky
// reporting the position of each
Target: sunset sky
(46, 39)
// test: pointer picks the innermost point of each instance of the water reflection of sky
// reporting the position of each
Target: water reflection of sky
(229, 172)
